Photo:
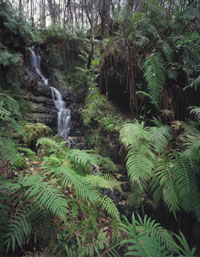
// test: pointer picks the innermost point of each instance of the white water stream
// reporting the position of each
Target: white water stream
(64, 114)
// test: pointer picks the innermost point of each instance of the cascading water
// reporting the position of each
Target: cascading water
(64, 114)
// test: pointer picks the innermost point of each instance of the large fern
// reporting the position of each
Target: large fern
(82, 187)
(185, 182)
(191, 142)
(155, 76)
(164, 173)
(140, 158)
(106, 181)
(90, 160)
(161, 135)
(148, 238)
(30, 195)
(9, 151)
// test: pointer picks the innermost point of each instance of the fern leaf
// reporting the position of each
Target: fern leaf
(140, 158)
(195, 111)
(108, 205)
(168, 51)
(147, 238)
(82, 187)
(18, 228)
(184, 248)
(185, 182)
(45, 195)
(140, 162)
(155, 76)
(89, 160)
(131, 134)
(9, 151)
(167, 184)
(160, 137)
(47, 143)
(194, 83)
(153, 229)
(106, 181)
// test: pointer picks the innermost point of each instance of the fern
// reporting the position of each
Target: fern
(195, 111)
(9, 105)
(155, 76)
(184, 249)
(9, 151)
(167, 184)
(90, 160)
(161, 135)
(131, 134)
(82, 187)
(194, 83)
(140, 158)
(185, 182)
(148, 238)
(106, 181)
(18, 229)
(168, 51)
(108, 205)
(27, 151)
(140, 162)
(191, 142)
(31, 196)
(49, 144)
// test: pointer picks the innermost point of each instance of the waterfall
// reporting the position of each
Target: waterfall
(64, 114)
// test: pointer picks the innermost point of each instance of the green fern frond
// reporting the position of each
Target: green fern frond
(153, 229)
(194, 83)
(44, 195)
(82, 158)
(88, 160)
(27, 151)
(155, 76)
(185, 182)
(140, 162)
(18, 229)
(108, 205)
(82, 187)
(196, 211)
(195, 111)
(167, 183)
(9, 104)
(52, 161)
(9, 150)
(168, 51)
(155, 188)
(106, 181)
(140, 158)
(132, 134)
(191, 142)
(49, 143)
(161, 136)
(184, 248)
(149, 239)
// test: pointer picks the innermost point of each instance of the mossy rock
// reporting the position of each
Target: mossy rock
(33, 131)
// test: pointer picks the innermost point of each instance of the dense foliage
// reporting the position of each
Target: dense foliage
(57, 201)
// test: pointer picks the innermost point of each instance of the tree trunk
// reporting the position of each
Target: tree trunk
(105, 19)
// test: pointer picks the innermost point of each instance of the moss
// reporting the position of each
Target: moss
(33, 131)
(103, 122)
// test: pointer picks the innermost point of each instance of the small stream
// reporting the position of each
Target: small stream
(64, 114)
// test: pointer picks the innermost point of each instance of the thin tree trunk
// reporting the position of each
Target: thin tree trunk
(105, 19)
